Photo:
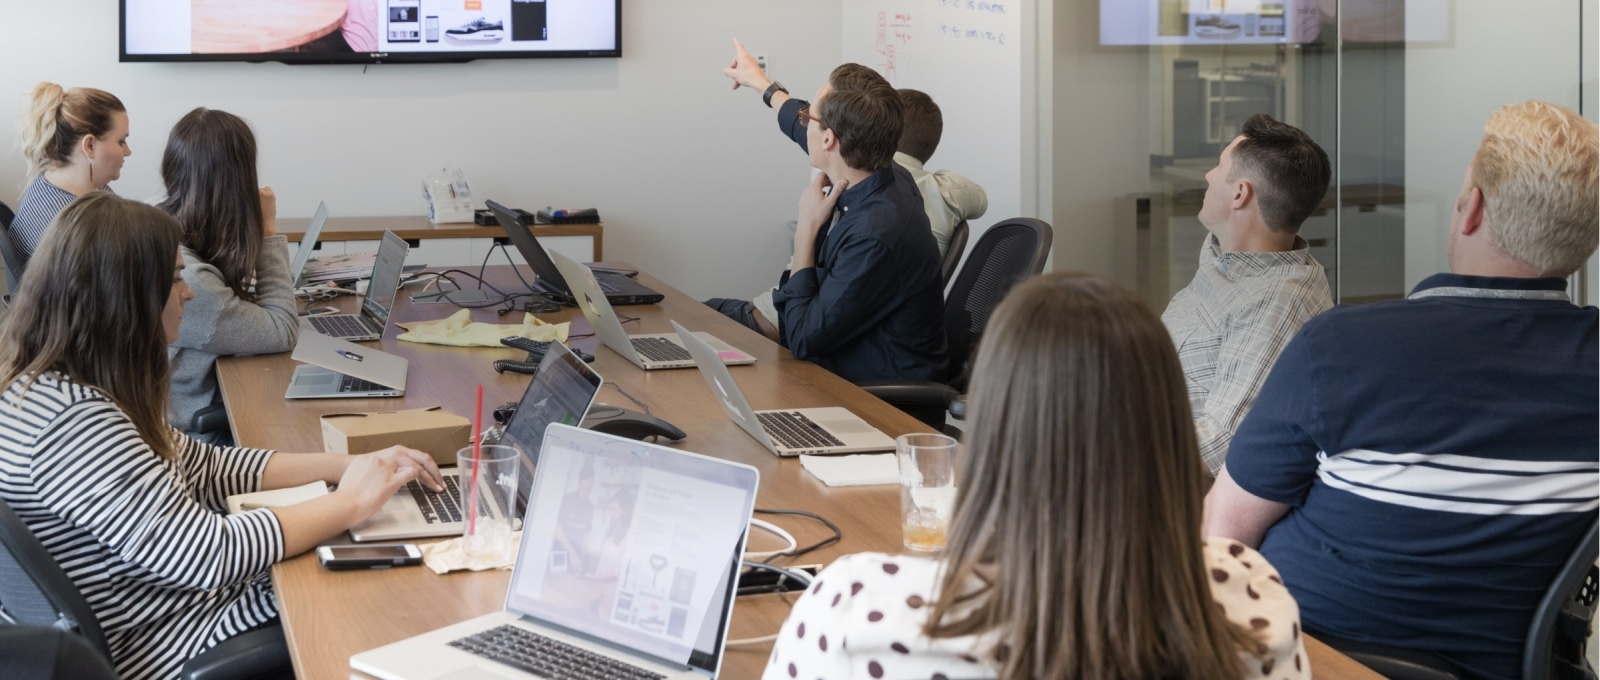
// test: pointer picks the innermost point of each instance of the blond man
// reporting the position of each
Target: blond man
(1418, 470)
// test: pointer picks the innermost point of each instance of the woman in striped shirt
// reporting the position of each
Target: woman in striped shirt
(131, 509)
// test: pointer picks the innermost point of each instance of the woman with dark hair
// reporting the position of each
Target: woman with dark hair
(1074, 551)
(233, 260)
(132, 510)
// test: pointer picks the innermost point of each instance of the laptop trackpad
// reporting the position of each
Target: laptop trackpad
(317, 379)
(847, 426)
(476, 673)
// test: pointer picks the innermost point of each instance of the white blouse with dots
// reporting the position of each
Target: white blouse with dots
(863, 617)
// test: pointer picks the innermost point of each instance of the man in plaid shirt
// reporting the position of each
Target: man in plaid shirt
(1257, 281)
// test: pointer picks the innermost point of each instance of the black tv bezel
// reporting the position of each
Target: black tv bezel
(294, 58)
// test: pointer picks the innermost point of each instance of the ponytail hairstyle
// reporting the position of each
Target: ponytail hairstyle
(90, 308)
(209, 167)
(55, 120)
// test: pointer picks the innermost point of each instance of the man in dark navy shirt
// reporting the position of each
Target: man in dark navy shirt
(864, 297)
(1419, 470)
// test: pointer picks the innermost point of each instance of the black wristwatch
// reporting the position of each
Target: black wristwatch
(766, 97)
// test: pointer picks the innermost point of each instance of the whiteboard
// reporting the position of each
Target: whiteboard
(968, 56)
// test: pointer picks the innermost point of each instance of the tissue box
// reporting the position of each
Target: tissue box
(438, 432)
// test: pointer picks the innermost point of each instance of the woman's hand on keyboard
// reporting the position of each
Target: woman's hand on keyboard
(427, 471)
(371, 480)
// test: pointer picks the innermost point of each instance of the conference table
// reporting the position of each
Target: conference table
(329, 616)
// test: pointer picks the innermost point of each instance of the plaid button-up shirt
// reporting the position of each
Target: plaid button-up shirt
(1230, 323)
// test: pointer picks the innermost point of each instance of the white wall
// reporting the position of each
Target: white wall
(1499, 53)
(693, 181)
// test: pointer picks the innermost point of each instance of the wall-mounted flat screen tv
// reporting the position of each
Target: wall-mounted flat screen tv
(368, 31)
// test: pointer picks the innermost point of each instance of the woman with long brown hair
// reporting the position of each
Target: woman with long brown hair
(233, 258)
(1075, 549)
(131, 509)
(75, 142)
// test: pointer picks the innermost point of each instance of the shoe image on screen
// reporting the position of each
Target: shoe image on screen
(479, 31)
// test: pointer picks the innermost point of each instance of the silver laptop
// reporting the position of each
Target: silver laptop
(339, 369)
(308, 241)
(560, 393)
(375, 307)
(650, 351)
(627, 568)
(787, 432)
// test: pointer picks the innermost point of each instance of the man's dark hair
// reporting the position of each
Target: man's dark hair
(924, 124)
(864, 112)
(1291, 172)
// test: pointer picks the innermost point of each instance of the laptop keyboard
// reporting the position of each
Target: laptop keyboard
(547, 658)
(437, 507)
(343, 326)
(792, 430)
(660, 349)
(607, 286)
(350, 383)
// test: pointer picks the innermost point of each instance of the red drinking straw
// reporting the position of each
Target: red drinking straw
(477, 452)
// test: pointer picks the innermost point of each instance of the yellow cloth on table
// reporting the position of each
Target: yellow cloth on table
(461, 331)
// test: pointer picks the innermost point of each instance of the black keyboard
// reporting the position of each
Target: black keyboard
(437, 507)
(792, 430)
(547, 658)
(606, 286)
(350, 383)
(342, 326)
(660, 349)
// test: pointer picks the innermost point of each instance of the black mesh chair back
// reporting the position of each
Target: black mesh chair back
(1555, 646)
(35, 591)
(13, 259)
(1006, 253)
(952, 257)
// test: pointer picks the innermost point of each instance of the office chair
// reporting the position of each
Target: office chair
(35, 591)
(1005, 254)
(1554, 649)
(952, 256)
(45, 653)
(13, 259)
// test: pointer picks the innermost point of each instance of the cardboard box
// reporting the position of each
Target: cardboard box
(438, 432)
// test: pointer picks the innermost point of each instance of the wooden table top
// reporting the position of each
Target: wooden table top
(253, 26)
(330, 616)
(417, 227)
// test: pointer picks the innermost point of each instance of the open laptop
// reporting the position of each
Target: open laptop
(339, 369)
(649, 351)
(619, 289)
(379, 300)
(560, 393)
(786, 432)
(653, 598)
(308, 242)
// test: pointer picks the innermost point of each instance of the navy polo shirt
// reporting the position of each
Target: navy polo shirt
(1439, 455)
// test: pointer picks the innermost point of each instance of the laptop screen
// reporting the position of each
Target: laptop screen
(308, 242)
(561, 392)
(630, 543)
(386, 270)
(543, 269)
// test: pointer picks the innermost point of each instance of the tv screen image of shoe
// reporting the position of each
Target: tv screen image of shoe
(368, 31)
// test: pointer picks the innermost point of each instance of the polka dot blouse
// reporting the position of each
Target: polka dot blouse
(863, 616)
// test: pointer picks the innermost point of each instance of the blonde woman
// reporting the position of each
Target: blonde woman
(75, 142)
(1075, 550)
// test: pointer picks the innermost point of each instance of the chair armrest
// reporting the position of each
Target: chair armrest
(252, 654)
(212, 418)
(1394, 662)
(958, 407)
(913, 393)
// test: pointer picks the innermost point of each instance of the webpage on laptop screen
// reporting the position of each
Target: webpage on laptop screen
(629, 545)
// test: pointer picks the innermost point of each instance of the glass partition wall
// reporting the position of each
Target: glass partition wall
(1148, 92)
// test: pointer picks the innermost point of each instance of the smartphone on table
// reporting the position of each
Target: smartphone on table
(377, 556)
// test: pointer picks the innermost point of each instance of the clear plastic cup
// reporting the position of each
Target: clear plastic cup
(487, 523)
(927, 488)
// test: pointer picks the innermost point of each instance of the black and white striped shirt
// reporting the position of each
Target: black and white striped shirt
(147, 541)
(36, 209)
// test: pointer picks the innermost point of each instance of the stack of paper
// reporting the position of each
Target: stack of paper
(858, 470)
(276, 498)
(340, 267)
